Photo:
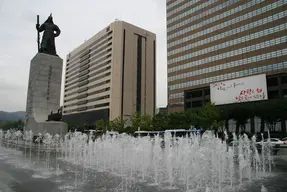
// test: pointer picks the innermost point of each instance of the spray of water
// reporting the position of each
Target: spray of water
(263, 189)
(189, 163)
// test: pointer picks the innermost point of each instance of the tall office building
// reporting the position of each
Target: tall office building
(210, 41)
(111, 75)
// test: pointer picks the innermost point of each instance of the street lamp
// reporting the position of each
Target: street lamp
(128, 122)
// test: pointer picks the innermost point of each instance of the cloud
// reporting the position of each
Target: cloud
(78, 21)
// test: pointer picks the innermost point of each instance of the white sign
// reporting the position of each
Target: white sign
(252, 88)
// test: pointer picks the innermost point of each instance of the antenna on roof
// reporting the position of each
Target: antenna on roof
(116, 19)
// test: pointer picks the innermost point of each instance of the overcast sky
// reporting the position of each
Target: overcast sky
(78, 20)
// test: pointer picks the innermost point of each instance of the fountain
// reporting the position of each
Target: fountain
(188, 163)
(263, 189)
(1, 137)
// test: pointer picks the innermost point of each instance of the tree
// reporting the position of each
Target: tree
(209, 117)
(240, 113)
(271, 112)
(252, 114)
(8, 125)
(20, 124)
(117, 125)
(136, 121)
(225, 115)
(180, 120)
(101, 125)
(283, 116)
(70, 126)
(82, 128)
(160, 122)
(191, 118)
(146, 123)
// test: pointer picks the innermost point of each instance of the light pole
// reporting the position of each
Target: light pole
(128, 122)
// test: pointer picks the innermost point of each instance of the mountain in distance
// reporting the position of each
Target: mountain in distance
(12, 116)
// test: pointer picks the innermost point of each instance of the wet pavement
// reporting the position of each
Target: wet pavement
(18, 174)
(277, 181)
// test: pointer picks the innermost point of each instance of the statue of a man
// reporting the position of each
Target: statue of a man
(50, 32)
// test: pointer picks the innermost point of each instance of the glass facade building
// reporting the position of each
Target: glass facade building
(211, 40)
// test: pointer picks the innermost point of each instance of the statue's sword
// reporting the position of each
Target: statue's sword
(38, 34)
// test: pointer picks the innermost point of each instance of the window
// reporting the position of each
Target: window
(273, 94)
(272, 81)
(188, 95)
(188, 105)
(196, 94)
(206, 92)
(284, 79)
(197, 104)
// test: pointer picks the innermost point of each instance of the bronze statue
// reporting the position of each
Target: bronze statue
(55, 116)
(48, 40)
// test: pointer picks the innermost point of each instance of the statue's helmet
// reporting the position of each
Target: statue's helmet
(50, 19)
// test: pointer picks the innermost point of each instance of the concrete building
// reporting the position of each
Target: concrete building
(210, 41)
(111, 75)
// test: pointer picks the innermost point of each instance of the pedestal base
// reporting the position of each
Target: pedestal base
(44, 90)
(51, 127)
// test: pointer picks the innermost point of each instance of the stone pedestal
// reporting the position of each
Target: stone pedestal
(44, 91)
(51, 127)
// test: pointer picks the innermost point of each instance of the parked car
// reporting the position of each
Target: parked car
(275, 142)
(284, 139)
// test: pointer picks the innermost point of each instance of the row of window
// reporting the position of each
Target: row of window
(176, 95)
(90, 57)
(247, 16)
(87, 108)
(185, 5)
(86, 88)
(76, 86)
(92, 102)
(87, 75)
(227, 76)
(76, 97)
(89, 100)
(236, 63)
(229, 32)
(94, 76)
(229, 54)
(95, 45)
(174, 105)
(101, 64)
(190, 11)
(87, 70)
(233, 42)
(203, 14)
(93, 55)
(176, 2)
